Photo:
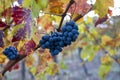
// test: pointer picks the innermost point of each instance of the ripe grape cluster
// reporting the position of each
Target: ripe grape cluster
(11, 53)
(57, 40)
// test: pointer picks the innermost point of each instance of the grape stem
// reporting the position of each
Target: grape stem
(64, 14)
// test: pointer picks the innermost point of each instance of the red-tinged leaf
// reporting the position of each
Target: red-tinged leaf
(1, 39)
(20, 34)
(101, 20)
(80, 7)
(7, 12)
(2, 25)
(20, 14)
(29, 47)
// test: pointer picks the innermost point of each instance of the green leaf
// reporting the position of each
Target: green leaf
(63, 65)
(88, 52)
(103, 71)
(101, 7)
(35, 9)
(42, 4)
(33, 70)
(27, 3)
(35, 6)
(41, 76)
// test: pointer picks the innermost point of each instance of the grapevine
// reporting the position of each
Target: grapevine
(39, 30)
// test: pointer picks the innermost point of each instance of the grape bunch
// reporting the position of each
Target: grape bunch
(11, 53)
(52, 42)
(70, 32)
(57, 40)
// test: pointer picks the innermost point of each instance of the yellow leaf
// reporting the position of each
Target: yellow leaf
(101, 6)
(2, 56)
(89, 20)
(105, 39)
(106, 59)
(55, 6)
(20, 45)
(1, 61)
(94, 33)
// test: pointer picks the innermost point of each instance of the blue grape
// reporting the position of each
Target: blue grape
(64, 28)
(70, 34)
(65, 34)
(45, 37)
(56, 52)
(70, 23)
(61, 43)
(75, 27)
(42, 41)
(43, 46)
(68, 28)
(74, 31)
(69, 39)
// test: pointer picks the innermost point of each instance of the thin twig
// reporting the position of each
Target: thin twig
(64, 14)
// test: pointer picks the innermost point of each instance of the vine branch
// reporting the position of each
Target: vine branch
(64, 14)
(13, 62)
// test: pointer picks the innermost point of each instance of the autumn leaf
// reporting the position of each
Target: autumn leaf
(29, 61)
(46, 23)
(106, 60)
(20, 14)
(20, 34)
(55, 6)
(28, 47)
(80, 7)
(20, 45)
(101, 7)
(105, 39)
(52, 69)
(2, 58)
